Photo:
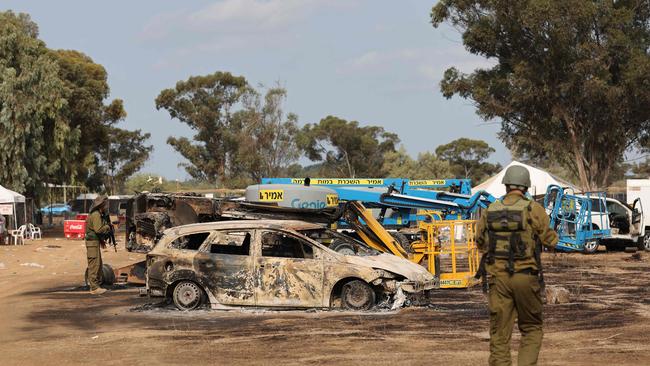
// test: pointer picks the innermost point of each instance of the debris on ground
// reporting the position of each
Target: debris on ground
(47, 247)
(636, 257)
(35, 265)
(557, 295)
(2, 266)
(400, 298)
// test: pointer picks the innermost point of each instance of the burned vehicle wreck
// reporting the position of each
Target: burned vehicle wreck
(274, 263)
(148, 215)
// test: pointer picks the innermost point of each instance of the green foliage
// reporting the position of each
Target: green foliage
(267, 142)
(108, 153)
(53, 123)
(398, 164)
(85, 89)
(141, 182)
(125, 155)
(30, 104)
(467, 158)
(241, 136)
(571, 81)
(345, 149)
(204, 103)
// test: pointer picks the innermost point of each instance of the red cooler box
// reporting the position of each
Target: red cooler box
(74, 229)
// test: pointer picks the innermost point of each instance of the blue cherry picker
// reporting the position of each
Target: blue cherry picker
(581, 220)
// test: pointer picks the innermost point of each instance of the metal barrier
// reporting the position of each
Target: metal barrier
(448, 250)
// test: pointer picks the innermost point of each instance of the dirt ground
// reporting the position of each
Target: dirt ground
(46, 317)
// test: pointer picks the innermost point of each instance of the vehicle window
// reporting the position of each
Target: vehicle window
(278, 244)
(189, 242)
(231, 242)
(614, 207)
(597, 205)
(328, 237)
(322, 236)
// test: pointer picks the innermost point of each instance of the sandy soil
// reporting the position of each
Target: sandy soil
(47, 317)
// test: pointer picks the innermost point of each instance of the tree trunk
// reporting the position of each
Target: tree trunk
(578, 153)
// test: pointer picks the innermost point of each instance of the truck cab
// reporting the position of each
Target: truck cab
(626, 223)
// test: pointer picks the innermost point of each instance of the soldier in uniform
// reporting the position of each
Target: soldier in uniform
(510, 234)
(96, 230)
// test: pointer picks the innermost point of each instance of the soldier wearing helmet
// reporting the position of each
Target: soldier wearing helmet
(510, 234)
(96, 230)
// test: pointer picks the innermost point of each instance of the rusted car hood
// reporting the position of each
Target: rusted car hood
(392, 263)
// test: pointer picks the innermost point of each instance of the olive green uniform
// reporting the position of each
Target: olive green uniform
(515, 292)
(95, 229)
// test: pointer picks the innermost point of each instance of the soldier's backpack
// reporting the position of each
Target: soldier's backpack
(510, 235)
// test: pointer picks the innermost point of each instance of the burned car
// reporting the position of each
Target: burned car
(274, 263)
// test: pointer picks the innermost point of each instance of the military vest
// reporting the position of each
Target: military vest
(510, 233)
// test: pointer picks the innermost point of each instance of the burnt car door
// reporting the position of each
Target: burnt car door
(225, 264)
(289, 271)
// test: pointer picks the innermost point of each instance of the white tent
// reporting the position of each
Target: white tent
(9, 202)
(539, 179)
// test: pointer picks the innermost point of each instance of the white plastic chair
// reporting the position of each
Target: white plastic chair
(34, 231)
(19, 234)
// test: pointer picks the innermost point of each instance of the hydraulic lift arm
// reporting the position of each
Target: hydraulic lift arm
(370, 230)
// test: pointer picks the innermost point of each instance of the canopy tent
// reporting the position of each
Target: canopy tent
(539, 179)
(13, 204)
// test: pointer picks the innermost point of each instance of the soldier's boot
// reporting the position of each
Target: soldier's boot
(98, 291)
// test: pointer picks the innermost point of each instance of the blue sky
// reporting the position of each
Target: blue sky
(375, 61)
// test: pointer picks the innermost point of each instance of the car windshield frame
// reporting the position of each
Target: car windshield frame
(367, 250)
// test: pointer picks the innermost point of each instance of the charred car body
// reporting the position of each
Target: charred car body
(274, 263)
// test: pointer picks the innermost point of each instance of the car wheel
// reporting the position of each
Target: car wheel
(402, 240)
(644, 243)
(342, 247)
(107, 277)
(357, 295)
(591, 247)
(187, 295)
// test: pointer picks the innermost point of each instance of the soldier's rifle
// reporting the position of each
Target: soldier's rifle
(111, 233)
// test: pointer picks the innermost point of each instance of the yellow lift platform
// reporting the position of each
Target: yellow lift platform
(447, 248)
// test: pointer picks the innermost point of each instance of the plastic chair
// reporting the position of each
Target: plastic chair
(35, 231)
(18, 234)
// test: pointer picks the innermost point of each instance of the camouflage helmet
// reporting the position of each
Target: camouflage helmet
(98, 202)
(517, 175)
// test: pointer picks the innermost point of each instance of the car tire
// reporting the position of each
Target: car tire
(107, 276)
(402, 240)
(357, 295)
(591, 247)
(644, 242)
(342, 247)
(187, 295)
